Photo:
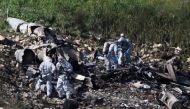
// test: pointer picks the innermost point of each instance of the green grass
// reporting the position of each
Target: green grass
(142, 20)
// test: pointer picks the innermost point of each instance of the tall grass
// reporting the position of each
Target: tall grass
(142, 20)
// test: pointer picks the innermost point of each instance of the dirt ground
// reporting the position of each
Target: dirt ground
(111, 91)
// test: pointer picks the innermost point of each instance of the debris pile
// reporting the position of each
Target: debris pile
(43, 70)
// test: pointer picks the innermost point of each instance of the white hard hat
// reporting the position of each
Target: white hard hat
(178, 48)
(122, 34)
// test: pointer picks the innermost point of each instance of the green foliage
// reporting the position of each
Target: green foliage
(142, 20)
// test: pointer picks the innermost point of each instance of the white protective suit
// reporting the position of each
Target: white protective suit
(126, 46)
(106, 47)
(64, 86)
(47, 68)
(114, 56)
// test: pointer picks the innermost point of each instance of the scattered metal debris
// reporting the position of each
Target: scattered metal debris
(134, 85)
(170, 100)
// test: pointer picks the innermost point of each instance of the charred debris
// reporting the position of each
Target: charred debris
(153, 79)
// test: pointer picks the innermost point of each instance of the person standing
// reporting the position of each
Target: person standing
(64, 86)
(47, 69)
(126, 46)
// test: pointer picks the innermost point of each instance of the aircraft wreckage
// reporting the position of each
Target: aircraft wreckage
(143, 74)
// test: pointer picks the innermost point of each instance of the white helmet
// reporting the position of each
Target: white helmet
(122, 35)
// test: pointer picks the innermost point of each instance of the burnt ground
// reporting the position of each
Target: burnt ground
(112, 90)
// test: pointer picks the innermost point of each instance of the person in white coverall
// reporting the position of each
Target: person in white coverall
(126, 46)
(47, 68)
(113, 57)
(106, 47)
(115, 51)
(64, 86)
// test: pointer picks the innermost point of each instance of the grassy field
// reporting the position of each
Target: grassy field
(142, 20)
